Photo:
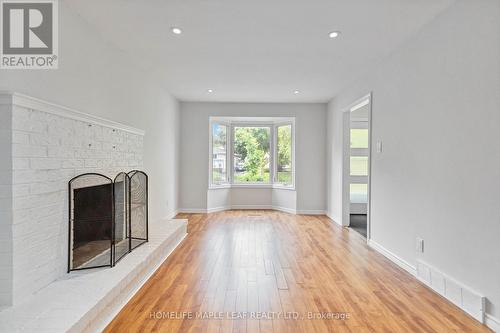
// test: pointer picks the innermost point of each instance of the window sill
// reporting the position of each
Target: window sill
(283, 187)
(252, 186)
(219, 186)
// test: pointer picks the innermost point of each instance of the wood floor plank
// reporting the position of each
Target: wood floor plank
(267, 271)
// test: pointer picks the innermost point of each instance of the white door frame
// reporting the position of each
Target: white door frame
(346, 201)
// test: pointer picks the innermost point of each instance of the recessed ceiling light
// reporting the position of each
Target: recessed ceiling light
(334, 34)
(296, 92)
(210, 91)
(176, 30)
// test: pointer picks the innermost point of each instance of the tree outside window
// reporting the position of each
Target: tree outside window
(284, 154)
(251, 154)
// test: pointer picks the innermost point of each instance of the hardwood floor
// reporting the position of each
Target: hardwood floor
(259, 263)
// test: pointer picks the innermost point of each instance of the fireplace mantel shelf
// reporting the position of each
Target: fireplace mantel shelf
(15, 98)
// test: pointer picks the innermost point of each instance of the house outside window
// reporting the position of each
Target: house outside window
(252, 151)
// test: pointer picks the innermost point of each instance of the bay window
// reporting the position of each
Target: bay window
(255, 151)
(219, 153)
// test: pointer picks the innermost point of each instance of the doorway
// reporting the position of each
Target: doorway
(356, 170)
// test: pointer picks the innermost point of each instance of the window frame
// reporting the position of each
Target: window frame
(232, 122)
(276, 183)
(358, 152)
(227, 181)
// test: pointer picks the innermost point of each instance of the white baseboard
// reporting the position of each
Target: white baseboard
(171, 215)
(392, 257)
(285, 210)
(311, 212)
(250, 207)
(489, 320)
(333, 218)
(456, 292)
(492, 322)
(218, 209)
(192, 210)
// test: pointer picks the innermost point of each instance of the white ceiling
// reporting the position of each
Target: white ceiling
(257, 50)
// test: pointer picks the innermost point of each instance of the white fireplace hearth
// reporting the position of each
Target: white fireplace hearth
(86, 301)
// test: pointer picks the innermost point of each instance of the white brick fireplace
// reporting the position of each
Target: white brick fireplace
(42, 147)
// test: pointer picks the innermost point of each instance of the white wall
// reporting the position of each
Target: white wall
(285, 200)
(248, 198)
(218, 199)
(436, 108)
(251, 197)
(95, 77)
(310, 138)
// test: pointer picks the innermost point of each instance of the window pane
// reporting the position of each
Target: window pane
(284, 154)
(219, 149)
(251, 154)
(359, 193)
(359, 165)
(359, 138)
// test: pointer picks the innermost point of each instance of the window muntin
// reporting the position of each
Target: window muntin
(219, 153)
(359, 138)
(236, 170)
(251, 154)
(284, 171)
(359, 166)
(358, 193)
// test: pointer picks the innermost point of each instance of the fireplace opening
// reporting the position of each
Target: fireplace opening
(92, 224)
(107, 218)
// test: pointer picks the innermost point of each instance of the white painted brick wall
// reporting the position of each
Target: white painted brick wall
(6, 204)
(47, 150)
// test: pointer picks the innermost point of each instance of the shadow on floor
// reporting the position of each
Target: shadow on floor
(358, 223)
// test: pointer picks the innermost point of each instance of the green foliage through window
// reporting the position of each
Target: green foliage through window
(251, 154)
(284, 154)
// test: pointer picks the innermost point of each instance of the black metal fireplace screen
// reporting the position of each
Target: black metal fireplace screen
(108, 218)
